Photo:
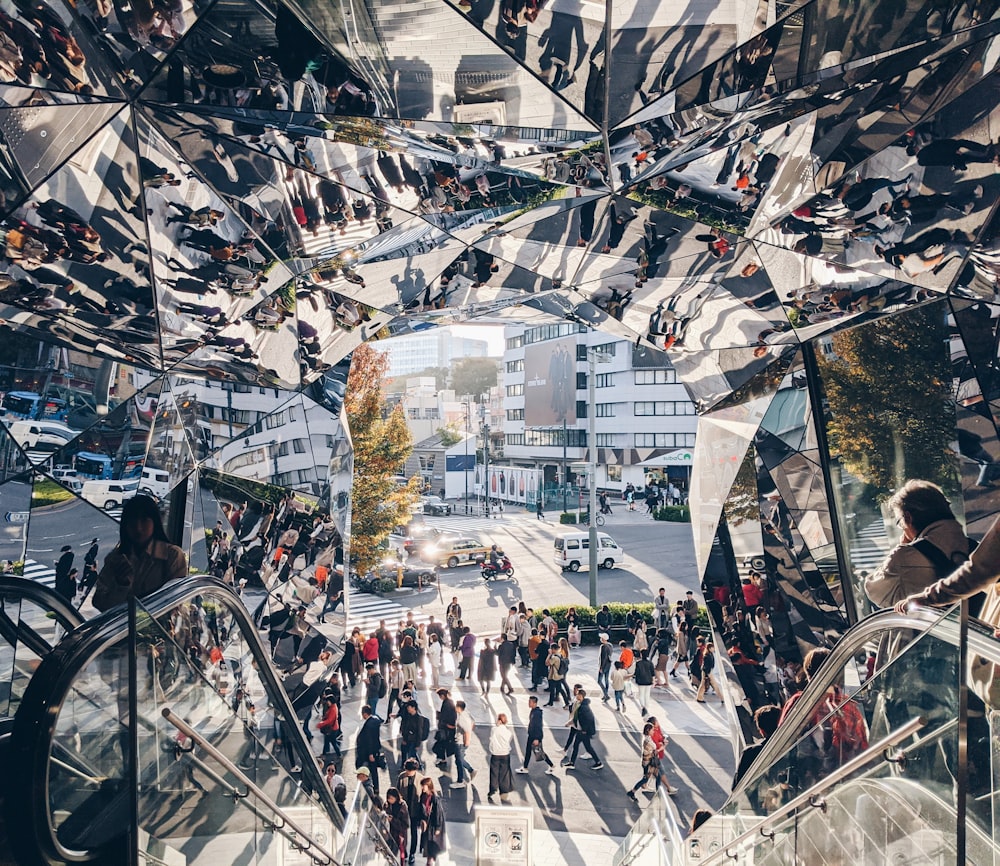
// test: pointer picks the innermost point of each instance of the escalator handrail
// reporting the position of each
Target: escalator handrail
(814, 792)
(66, 615)
(294, 833)
(38, 712)
(853, 642)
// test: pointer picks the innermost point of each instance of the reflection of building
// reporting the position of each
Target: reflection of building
(644, 419)
(412, 353)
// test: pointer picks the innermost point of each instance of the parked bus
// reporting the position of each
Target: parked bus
(90, 465)
(31, 405)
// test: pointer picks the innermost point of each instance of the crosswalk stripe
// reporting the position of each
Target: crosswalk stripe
(43, 574)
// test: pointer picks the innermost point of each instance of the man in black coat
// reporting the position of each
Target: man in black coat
(586, 728)
(538, 666)
(536, 730)
(65, 584)
(369, 745)
(447, 721)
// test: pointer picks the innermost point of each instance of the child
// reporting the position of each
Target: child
(619, 676)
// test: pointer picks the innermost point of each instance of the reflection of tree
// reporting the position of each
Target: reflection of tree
(473, 376)
(381, 446)
(742, 503)
(890, 417)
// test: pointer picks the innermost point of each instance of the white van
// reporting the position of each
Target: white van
(41, 435)
(155, 482)
(572, 551)
(108, 493)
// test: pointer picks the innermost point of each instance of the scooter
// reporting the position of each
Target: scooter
(492, 572)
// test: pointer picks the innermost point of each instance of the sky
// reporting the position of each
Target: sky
(493, 334)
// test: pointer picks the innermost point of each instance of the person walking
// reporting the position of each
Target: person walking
(375, 688)
(444, 739)
(501, 742)
(486, 671)
(432, 822)
(651, 768)
(707, 666)
(538, 652)
(409, 792)
(506, 657)
(533, 747)
(619, 677)
(414, 728)
(329, 727)
(464, 724)
(539, 509)
(435, 658)
(398, 815)
(681, 650)
(65, 585)
(586, 729)
(468, 651)
(557, 666)
(644, 676)
(661, 649)
(604, 666)
(368, 747)
(453, 616)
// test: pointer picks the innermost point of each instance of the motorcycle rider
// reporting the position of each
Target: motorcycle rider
(494, 558)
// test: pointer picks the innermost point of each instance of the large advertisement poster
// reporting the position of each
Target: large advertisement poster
(550, 383)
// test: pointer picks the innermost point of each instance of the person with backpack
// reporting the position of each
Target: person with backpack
(414, 729)
(376, 688)
(932, 542)
(408, 785)
(329, 726)
(558, 667)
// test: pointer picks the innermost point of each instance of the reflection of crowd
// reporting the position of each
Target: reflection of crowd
(36, 42)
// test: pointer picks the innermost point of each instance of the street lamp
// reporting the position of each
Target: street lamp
(594, 357)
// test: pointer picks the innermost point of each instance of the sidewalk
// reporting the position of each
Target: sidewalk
(581, 816)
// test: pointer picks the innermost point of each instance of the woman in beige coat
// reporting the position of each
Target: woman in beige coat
(142, 561)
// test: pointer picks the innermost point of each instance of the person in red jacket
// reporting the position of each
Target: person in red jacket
(329, 726)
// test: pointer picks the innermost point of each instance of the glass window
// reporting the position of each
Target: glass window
(604, 380)
(605, 410)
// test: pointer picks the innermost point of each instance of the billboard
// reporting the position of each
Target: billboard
(550, 383)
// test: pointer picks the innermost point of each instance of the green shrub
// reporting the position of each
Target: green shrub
(673, 513)
(387, 584)
(586, 619)
(567, 517)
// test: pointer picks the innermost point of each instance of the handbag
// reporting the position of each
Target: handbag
(538, 753)
(380, 761)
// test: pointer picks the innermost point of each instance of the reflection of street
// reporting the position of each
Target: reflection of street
(73, 523)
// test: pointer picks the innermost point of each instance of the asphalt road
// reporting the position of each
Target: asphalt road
(73, 522)
(656, 554)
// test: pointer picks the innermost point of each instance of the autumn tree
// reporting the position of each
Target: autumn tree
(474, 376)
(381, 446)
(888, 395)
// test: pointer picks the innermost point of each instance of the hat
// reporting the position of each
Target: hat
(66, 547)
(363, 771)
(690, 592)
(604, 636)
(411, 764)
(441, 692)
(93, 541)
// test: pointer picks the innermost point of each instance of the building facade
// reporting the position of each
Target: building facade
(643, 415)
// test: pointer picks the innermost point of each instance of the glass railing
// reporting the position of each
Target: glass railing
(821, 792)
(655, 839)
(201, 761)
(33, 618)
(365, 839)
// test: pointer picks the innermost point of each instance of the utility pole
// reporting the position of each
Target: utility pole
(593, 358)
(565, 467)
(486, 466)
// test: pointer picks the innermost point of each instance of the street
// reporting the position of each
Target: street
(648, 545)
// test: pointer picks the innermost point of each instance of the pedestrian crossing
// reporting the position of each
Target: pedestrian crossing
(869, 547)
(366, 610)
(44, 574)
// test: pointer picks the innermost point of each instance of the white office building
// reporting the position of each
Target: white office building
(437, 347)
(644, 422)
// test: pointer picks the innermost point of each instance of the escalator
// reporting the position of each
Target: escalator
(33, 618)
(126, 748)
(902, 767)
